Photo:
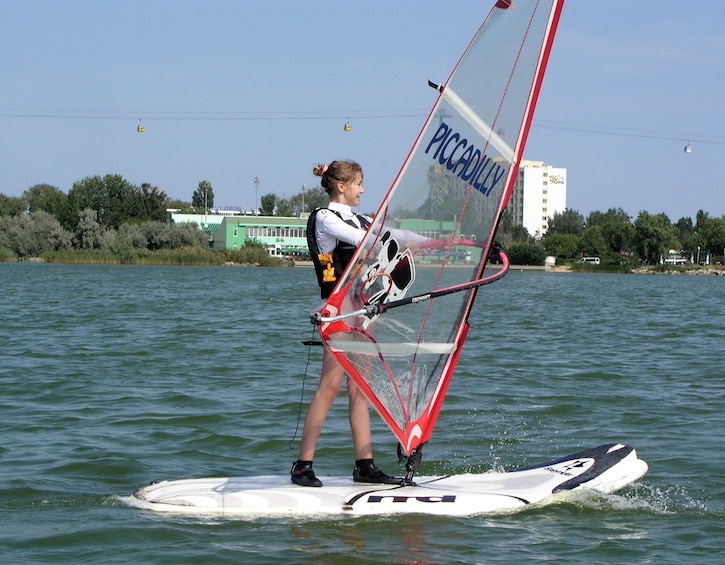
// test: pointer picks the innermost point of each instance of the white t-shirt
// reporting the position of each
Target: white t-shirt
(330, 228)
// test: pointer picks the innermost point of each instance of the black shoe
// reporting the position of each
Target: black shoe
(373, 474)
(304, 476)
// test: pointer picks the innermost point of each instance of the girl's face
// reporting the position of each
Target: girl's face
(349, 192)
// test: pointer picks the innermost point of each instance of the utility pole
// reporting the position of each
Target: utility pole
(256, 187)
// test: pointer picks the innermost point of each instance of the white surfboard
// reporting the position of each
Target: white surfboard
(606, 468)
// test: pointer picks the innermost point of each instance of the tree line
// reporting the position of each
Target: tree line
(617, 238)
(111, 220)
(111, 213)
(614, 236)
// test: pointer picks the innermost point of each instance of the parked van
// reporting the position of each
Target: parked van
(592, 260)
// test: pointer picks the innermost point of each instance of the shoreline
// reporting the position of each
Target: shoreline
(711, 270)
(704, 271)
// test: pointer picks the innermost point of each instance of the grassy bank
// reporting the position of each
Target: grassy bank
(192, 256)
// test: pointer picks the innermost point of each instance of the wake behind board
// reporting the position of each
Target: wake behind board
(605, 469)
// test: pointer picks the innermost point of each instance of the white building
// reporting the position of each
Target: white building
(539, 193)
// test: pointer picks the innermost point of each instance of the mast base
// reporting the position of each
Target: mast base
(412, 462)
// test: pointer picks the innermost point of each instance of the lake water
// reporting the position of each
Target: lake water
(114, 376)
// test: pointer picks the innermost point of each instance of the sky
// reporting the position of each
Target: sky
(232, 90)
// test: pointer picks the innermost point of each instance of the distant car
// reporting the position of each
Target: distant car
(592, 260)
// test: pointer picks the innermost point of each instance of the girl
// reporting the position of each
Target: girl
(333, 234)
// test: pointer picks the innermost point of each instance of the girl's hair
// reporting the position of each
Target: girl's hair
(337, 171)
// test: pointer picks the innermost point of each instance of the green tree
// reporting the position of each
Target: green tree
(152, 203)
(114, 199)
(710, 232)
(46, 197)
(593, 243)
(654, 236)
(567, 222)
(188, 235)
(89, 233)
(12, 205)
(564, 245)
(306, 200)
(131, 235)
(268, 203)
(616, 228)
(509, 233)
(33, 234)
(181, 206)
(312, 198)
(685, 231)
(157, 234)
(161, 235)
(716, 237)
(526, 254)
(284, 208)
(597, 218)
(518, 234)
(203, 196)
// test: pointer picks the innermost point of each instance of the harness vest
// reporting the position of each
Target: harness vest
(330, 266)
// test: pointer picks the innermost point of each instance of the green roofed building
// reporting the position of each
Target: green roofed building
(287, 237)
(437, 229)
(281, 236)
(428, 228)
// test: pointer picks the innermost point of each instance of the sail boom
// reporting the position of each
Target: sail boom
(390, 349)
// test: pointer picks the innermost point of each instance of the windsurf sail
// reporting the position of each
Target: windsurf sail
(398, 317)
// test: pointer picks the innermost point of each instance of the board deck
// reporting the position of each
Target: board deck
(606, 469)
